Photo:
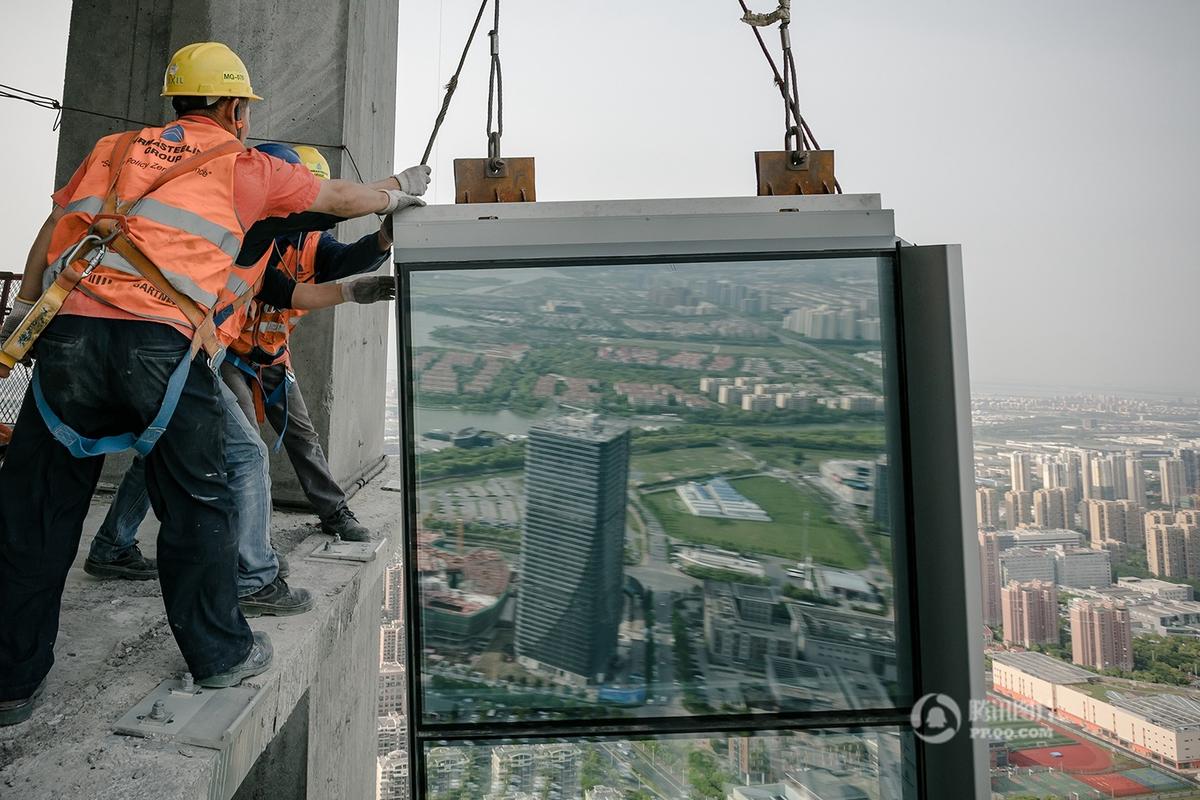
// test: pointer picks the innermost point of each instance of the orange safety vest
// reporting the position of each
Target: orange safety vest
(264, 339)
(188, 227)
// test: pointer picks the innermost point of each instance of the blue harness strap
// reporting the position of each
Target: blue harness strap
(82, 447)
(277, 397)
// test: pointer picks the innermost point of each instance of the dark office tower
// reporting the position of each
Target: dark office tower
(570, 598)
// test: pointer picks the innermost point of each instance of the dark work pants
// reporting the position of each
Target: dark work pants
(299, 438)
(108, 377)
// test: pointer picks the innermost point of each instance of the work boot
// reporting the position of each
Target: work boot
(258, 662)
(285, 569)
(343, 523)
(131, 566)
(15, 711)
(276, 599)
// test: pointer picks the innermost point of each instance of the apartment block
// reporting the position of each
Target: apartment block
(1101, 635)
(1029, 613)
(1018, 508)
(987, 508)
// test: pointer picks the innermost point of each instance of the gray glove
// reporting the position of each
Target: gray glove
(374, 289)
(14, 319)
(398, 201)
(414, 180)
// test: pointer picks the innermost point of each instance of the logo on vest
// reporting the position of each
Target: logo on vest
(173, 134)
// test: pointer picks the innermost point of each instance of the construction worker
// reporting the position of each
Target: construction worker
(262, 588)
(258, 368)
(160, 214)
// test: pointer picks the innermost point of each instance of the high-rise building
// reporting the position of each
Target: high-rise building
(1115, 523)
(1020, 472)
(392, 689)
(1173, 544)
(1018, 509)
(987, 508)
(1087, 481)
(1171, 478)
(1030, 613)
(560, 765)
(1135, 480)
(513, 769)
(391, 643)
(1054, 473)
(393, 776)
(1191, 469)
(570, 599)
(445, 769)
(393, 591)
(882, 509)
(989, 571)
(1049, 508)
(1101, 635)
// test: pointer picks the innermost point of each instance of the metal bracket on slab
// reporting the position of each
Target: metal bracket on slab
(182, 712)
(338, 550)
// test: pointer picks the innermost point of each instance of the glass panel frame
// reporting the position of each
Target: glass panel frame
(909, 607)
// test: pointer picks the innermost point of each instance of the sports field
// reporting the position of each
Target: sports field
(800, 524)
(688, 462)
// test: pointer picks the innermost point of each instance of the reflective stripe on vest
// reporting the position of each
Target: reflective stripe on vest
(188, 227)
(268, 329)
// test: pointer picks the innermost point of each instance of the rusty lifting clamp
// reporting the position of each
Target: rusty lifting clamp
(494, 179)
(797, 169)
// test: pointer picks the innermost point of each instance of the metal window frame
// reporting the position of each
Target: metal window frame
(933, 430)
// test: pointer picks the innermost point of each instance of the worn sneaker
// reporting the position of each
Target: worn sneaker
(131, 566)
(276, 599)
(344, 524)
(285, 569)
(258, 662)
(16, 711)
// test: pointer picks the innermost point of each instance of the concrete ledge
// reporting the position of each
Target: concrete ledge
(115, 647)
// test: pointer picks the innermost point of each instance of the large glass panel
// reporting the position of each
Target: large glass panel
(654, 490)
(870, 764)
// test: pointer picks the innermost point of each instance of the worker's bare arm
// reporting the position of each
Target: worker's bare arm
(311, 296)
(35, 262)
(348, 199)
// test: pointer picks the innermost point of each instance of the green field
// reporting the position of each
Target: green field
(788, 535)
(688, 462)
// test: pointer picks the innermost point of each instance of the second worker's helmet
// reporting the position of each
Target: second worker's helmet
(311, 157)
(284, 152)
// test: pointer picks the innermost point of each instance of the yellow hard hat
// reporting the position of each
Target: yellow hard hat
(311, 157)
(207, 69)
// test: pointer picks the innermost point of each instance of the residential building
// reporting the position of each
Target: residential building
(1101, 635)
(1050, 508)
(391, 643)
(1115, 523)
(445, 768)
(1037, 537)
(1029, 613)
(1018, 508)
(393, 591)
(987, 508)
(560, 764)
(989, 571)
(393, 776)
(392, 689)
(514, 768)
(1020, 473)
(1171, 478)
(1173, 543)
(1191, 469)
(1135, 479)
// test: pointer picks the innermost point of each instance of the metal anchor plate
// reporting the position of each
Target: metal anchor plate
(196, 716)
(339, 550)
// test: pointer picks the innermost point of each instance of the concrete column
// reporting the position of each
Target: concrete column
(327, 72)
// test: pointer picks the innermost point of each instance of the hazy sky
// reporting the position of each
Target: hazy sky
(1058, 141)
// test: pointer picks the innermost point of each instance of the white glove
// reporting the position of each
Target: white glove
(14, 319)
(398, 201)
(414, 180)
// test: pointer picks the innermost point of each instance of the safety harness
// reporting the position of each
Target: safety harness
(110, 230)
